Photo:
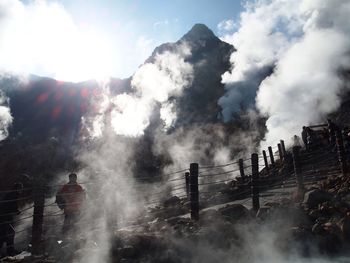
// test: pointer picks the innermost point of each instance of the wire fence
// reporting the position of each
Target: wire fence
(234, 180)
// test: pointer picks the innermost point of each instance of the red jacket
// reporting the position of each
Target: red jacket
(73, 196)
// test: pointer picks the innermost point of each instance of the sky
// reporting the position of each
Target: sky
(96, 39)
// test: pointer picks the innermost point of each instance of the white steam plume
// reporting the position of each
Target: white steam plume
(307, 43)
(154, 84)
(208, 144)
(258, 45)
(115, 198)
(7, 83)
(5, 116)
(307, 81)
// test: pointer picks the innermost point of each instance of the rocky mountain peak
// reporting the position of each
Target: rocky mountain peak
(199, 31)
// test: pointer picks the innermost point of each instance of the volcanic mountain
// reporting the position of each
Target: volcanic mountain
(42, 107)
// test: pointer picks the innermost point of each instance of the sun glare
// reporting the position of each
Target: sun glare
(43, 39)
(89, 58)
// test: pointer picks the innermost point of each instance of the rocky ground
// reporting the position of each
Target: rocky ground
(319, 225)
(313, 223)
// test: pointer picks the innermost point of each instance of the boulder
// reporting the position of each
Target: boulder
(272, 204)
(345, 228)
(346, 198)
(172, 201)
(210, 215)
(235, 211)
(318, 229)
(128, 252)
(315, 197)
(329, 243)
(314, 214)
(263, 212)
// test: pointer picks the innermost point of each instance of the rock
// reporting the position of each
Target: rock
(172, 201)
(326, 209)
(263, 212)
(321, 220)
(329, 244)
(314, 214)
(156, 225)
(346, 198)
(286, 201)
(235, 211)
(178, 221)
(128, 252)
(216, 187)
(345, 228)
(344, 191)
(315, 197)
(272, 204)
(299, 234)
(318, 229)
(332, 228)
(187, 204)
(210, 215)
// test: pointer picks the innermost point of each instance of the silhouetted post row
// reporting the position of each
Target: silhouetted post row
(280, 151)
(297, 168)
(38, 218)
(341, 152)
(265, 161)
(284, 152)
(194, 194)
(255, 181)
(271, 156)
(241, 169)
(187, 180)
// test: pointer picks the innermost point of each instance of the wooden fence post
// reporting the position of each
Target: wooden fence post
(341, 152)
(297, 169)
(194, 194)
(272, 159)
(187, 179)
(265, 161)
(241, 169)
(255, 181)
(284, 152)
(38, 218)
(280, 151)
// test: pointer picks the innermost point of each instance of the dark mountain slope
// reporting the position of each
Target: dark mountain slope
(210, 59)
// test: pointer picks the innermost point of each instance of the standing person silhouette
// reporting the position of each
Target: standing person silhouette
(8, 210)
(70, 198)
(332, 129)
(304, 137)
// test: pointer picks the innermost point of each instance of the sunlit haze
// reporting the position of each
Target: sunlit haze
(81, 40)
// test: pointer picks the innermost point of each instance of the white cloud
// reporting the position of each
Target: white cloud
(227, 25)
(161, 23)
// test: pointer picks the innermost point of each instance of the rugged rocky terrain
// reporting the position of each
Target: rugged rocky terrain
(312, 223)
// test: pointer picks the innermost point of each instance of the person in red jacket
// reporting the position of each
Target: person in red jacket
(70, 198)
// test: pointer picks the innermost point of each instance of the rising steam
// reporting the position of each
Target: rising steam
(5, 116)
(116, 198)
(153, 85)
(306, 42)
